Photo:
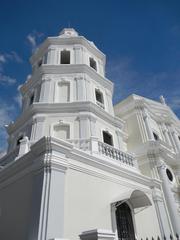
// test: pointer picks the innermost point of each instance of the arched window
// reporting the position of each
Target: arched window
(107, 138)
(99, 98)
(92, 63)
(65, 57)
(125, 227)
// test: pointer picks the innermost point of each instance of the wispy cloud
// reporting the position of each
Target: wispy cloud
(34, 38)
(128, 80)
(6, 80)
(18, 97)
(5, 58)
(6, 115)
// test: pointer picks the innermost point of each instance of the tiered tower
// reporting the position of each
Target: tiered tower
(67, 173)
(68, 96)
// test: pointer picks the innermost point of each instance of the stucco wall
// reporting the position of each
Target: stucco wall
(88, 205)
(19, 208)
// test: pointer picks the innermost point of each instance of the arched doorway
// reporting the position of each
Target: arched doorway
(125, 227)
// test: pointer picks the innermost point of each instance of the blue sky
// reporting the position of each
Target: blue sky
(141, 39)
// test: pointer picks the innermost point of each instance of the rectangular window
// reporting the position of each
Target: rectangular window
(107, 138)
(31, 99)
(99, 98)
(65, 57)
(92, 63)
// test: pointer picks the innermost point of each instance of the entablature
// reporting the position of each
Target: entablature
(57, 41)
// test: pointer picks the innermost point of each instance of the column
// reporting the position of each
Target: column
(165, 132)
(162, 214)
(80, 89)
(93, 125)
(100, 68)
(172, 138)
(78, 54)
(84, 127)
(120, 140)
(169, 196)
(108, 100)
(148, 127)
(37, 128)
(176, 140)
(45, 90)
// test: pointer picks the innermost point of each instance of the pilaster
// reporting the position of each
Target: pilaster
(45, 90)
(148, 127)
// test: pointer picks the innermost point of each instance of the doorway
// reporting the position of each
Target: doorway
(125, 226)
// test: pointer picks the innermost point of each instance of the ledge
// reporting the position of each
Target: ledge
(71, 107)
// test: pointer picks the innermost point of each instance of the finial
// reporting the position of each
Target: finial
(162, 100)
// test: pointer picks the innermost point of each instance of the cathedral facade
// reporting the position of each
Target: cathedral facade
(77, 167)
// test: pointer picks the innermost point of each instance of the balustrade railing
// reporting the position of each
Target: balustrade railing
(100, 104)
(116, 154)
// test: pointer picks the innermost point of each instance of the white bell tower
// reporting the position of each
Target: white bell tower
(68, 95)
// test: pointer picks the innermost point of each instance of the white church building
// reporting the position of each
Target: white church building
(78, 168)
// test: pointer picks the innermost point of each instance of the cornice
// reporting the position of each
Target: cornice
(77, 69)
(80, 40)
(51, 153)
(41, 109)
(67, 69)
(156, 150)
(156, 110)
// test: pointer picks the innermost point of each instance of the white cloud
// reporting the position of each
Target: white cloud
(6, 113)
(6, 80)
(12, 56)
(18, 97)
(2, 58)
(33, 39)
(128, 80)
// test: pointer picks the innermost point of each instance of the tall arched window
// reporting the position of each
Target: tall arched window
(125, 227)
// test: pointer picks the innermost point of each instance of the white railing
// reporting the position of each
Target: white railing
(100, 104)
(116, 154)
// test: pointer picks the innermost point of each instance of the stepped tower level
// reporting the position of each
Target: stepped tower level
(67, 173)
(68, 96)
